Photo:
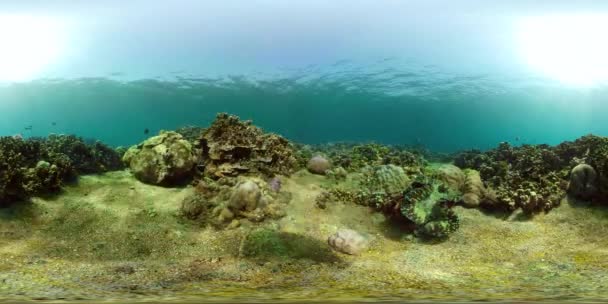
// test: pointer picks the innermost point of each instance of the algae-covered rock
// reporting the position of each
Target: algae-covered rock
(162, 160)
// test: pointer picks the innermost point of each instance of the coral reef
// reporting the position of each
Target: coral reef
(86, 158)
(231, 147)
(354, 157)
(528, 177)
(42, 165)
(162, 160)
(348, 241)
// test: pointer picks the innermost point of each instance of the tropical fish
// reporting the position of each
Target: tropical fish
(28, 128)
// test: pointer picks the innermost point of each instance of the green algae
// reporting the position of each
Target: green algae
(265, 243)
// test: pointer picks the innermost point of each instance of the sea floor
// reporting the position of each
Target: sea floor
(111, 237)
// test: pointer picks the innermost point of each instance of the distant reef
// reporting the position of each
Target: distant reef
(237, 169)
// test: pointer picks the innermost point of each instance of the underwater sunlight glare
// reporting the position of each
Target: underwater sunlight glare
(568, 48)
(28, 45)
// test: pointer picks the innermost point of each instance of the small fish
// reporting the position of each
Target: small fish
(28, 128)
(146, 131)
(53, 123)
(516, 138)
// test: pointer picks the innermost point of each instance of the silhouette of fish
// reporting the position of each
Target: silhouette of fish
(517, 138)
(28, 128)
(146, 131)
(53, 123)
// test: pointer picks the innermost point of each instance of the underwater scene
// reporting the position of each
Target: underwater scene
(271, 151)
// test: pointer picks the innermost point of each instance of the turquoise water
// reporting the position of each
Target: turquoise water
(426, 108)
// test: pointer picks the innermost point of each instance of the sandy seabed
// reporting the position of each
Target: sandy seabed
(112, 238)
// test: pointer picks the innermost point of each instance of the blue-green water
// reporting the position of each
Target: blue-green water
(442, 112)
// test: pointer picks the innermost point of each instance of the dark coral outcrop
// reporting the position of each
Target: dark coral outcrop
(231, 147)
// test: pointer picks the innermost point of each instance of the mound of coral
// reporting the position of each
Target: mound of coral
(233, 202)
(42, 165)
(231, 147)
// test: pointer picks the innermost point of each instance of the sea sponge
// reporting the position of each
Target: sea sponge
(165, 159)
(583, 182)
(318, 165)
